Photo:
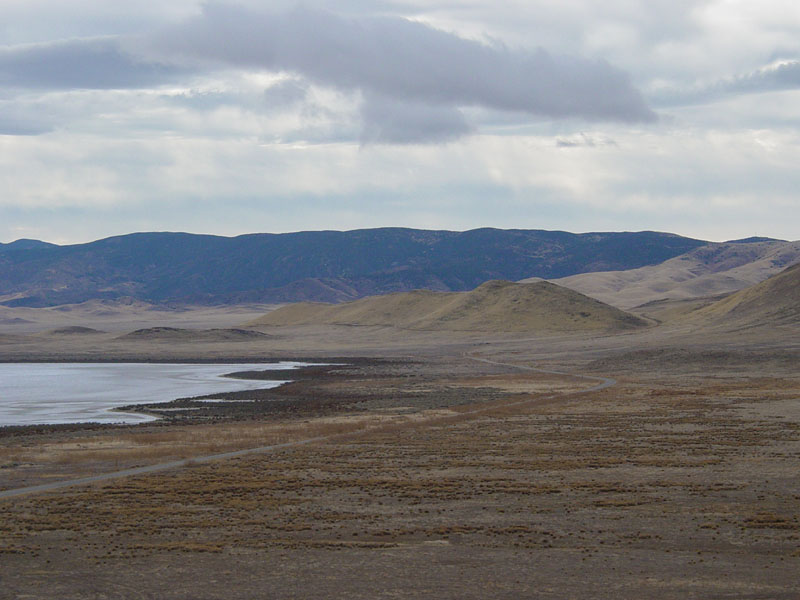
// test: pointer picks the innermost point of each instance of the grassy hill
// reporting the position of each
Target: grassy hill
(774, 302)
(493, 306)
(711, 270)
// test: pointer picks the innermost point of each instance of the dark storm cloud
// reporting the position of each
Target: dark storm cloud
(404, 60)
(95, 63)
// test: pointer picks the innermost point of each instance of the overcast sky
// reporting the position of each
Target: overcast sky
(273, 116)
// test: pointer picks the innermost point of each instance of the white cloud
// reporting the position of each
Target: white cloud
(704, 183)
(229, 142)
(32, 21)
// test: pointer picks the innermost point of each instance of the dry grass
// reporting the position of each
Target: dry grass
(492, 307)
(181, 441)
(685, 481)
(110, 450)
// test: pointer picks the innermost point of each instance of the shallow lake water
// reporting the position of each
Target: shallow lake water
(40, 393)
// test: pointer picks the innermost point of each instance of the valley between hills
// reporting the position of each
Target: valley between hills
(503, 440)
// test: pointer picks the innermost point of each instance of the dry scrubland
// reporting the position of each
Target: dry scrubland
(442, 476)
(671, 488)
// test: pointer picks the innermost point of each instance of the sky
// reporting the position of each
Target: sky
(246, 116)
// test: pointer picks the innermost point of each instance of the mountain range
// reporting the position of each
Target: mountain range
(330, 266)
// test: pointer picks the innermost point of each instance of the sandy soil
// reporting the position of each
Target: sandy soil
(448, 478)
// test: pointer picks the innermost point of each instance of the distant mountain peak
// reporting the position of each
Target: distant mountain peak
(753, 239)
(26, 244)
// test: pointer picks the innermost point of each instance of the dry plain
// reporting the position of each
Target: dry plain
(438, 475)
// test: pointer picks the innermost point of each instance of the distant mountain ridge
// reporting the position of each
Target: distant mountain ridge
(314, 265)
(25, 244)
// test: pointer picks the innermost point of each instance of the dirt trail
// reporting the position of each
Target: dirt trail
(605, 382)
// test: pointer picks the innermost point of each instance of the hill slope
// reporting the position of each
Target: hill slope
(321, 265)
(774, 302)
(494, 306)
(711, 270)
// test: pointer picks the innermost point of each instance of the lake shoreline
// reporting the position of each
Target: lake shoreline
(296, 397)
(118, 393)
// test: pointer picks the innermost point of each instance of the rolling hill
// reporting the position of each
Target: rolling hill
(710, 270)
(771, 303)
(495, 306)
(316, 265)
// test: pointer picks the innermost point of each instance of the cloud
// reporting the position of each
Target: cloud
(16, 127)
(26, 21)
(781, 76)
(717, 186)
(175, 113)
(412, 79)
(14, 121)
(286, 93)
(397, 58)
(585, 141)
(204, 100)
(94, 63)
(390, 122)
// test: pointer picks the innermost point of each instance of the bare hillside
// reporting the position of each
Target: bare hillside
(493, 306)
(711, 270)
(774, 302)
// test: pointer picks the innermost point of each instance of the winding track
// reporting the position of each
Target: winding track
(604, 382)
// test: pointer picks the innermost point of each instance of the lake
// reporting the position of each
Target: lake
(49, 393)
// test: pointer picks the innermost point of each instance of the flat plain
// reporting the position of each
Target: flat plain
(444, 467)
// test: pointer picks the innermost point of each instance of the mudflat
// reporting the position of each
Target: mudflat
(436, 475)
